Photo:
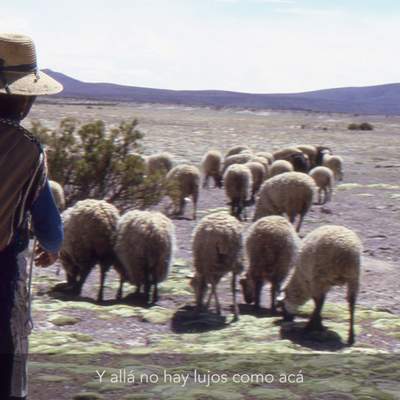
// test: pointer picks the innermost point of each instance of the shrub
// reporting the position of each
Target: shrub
(364, 126)
(90, 161)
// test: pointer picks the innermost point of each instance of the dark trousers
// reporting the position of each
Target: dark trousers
(8, 279)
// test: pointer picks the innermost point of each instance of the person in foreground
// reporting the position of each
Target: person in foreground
(25, 198)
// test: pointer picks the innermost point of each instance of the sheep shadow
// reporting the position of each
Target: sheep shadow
(61, 292)
(326, 340)
(262, 312)
(188, 320)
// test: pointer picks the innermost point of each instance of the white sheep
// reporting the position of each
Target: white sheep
(241, 158)
(267, 155)
(217, 250)
(58, 194)
(236, 150)
(258, 176)
(89, 233)
(290, 193)
(238, 183)
(144, 245)
(335, 163)
(211, 166)
(324, 180)
(330, 256)
(159, 163)
(183, 181)
(272, 249)
(264, 162)
(279, 167)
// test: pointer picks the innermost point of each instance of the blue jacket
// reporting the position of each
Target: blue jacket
(46, 221)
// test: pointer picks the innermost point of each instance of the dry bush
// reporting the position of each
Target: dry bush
(90, 161)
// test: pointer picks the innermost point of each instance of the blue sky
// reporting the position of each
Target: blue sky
(259, 46)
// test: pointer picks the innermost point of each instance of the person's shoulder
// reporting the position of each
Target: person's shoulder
(13, 132)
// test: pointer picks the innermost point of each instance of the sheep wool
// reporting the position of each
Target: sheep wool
(181, 182)
(330, 256)
(272, 249)
(279, 167)
(159, 163)
(324, 180)
(144, 246)
(335, 163)
(238, 183)
(290, 193)
(89, 233)
(58, 194)
(217, 250)
(211, 166)
(258, 176)
(236, 150)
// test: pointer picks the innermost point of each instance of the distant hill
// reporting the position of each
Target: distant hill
(380, 99)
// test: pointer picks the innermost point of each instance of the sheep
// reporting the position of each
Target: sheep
(265, 154)
(290, 193)
(238, 183)
(321, 152)
(58, 194)
(241, 158)
(272, 249)
(89, 232)
(217, 249)
(324, 180)
(279, 167)
(211, 165)
(311, 152)
(236, 150)
(264, 162)
(335, 163)
(144, 245)
(285, 153)
(258, 176)
(183, 181)
(330, 256)
(159, 163)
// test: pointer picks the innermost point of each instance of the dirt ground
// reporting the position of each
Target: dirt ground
(367, 201)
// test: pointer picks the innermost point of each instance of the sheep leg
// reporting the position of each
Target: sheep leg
(315, 322)
(352, 303)
(235, 306)
(77, 288)
(182, 204)
(103, 272)
(274, 290)
(258, 284)
(320, 196)
(209, 299)
(205, 182)
(200, 292)
(120, 288)
(147, 284)
(155, 293)
(300, 222)
(195, 197)
(214, 290)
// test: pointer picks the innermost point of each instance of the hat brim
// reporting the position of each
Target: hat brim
(31, 84)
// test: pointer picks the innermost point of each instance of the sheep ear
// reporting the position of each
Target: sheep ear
(190, 276)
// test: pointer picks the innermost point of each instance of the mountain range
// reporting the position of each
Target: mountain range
(379, 99)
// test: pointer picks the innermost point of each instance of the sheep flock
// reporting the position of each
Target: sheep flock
(253, 238)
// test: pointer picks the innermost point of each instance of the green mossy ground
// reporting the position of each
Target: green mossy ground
(253, 345)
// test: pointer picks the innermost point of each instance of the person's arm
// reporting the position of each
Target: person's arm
(47, 226)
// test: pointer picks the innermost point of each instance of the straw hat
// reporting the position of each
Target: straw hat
(18, 70)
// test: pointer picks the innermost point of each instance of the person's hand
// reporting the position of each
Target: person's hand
(44, 258)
